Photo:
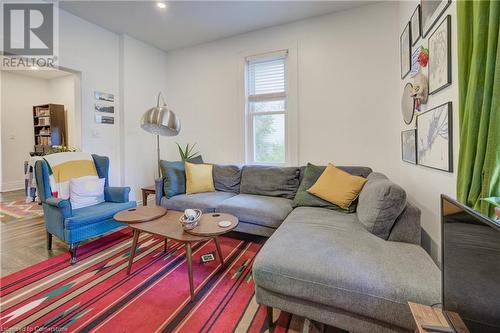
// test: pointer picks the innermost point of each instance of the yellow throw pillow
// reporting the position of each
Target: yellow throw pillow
(199, 178)
(337, 186)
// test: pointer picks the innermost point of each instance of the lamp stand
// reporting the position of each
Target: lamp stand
(158, 154)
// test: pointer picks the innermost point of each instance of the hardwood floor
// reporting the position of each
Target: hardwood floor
(22, 242)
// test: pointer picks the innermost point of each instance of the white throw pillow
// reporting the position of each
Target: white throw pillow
(86, 192)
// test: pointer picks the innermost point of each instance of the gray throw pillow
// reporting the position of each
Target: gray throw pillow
(379, 205)
(174, 176)
(270, 180)
(227, 178)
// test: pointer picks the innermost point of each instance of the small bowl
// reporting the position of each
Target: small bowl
(189, 225)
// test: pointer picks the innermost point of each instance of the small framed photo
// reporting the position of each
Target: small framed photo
(440, 57)
(207, 257)
(416, 27)
(409, 146)
(405, 51)
(434, 138)
(431, 11)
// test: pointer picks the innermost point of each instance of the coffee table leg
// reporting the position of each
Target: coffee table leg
(219, 252)
(132, 250)
(190, 269)
(165, 246)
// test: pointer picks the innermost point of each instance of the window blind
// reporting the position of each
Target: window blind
(266, 78)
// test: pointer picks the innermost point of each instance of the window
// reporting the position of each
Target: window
(266, 108)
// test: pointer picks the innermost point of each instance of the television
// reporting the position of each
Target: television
(470, 266)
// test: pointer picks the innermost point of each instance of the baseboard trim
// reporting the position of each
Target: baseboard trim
(12, 186)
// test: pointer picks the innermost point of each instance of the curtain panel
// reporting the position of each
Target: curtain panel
(478, 24)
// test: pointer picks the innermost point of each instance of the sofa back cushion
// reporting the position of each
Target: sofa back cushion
(270, 180)
(227, 178)
(380, 203)
(309, 176)
(174, 176)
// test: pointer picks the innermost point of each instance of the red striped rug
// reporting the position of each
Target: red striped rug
(96, 295)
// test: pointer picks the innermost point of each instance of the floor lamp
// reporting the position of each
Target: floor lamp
(160, 120)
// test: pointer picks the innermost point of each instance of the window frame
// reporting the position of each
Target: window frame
(289, 111)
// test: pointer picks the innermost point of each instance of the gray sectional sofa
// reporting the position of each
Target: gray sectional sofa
(355, 271)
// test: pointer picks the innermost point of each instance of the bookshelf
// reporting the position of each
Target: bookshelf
(49, 127)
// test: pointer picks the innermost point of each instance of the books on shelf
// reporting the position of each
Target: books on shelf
(43, 140)
(41, 111)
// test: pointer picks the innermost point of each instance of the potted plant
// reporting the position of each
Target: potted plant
(186, 153)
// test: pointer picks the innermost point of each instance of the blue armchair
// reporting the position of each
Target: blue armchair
(75, 225)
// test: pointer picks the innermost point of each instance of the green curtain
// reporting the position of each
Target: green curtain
(478, 24)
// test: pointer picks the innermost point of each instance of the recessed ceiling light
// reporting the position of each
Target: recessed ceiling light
(161, 5)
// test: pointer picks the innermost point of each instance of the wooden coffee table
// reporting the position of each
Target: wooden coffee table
(169, 227)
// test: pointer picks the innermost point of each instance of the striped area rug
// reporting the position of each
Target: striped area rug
(96, 295)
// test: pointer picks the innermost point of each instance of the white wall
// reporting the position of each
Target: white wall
(19, 94)
(347, 81)
(144, 74)
(94, 52)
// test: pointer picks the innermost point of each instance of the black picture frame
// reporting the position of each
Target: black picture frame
(405, 44)
(414, 130)
(416, 17)
(429, 16)
(450, 136)
(433, 90)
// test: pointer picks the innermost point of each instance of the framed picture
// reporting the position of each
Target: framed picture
(431, 11)
(434, 138)
(101, 96)
(409, 146)
(416, 28)
(440, 57)
(405, 51)
(104, 108)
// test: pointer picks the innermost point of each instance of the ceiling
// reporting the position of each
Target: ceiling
(186, 23)
(40, 73)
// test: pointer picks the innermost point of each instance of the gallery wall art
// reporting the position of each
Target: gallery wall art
(440, 57)
(431, 10)
(434, 138)
(409, 146)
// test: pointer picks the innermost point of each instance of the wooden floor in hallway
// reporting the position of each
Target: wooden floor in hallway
(23, 242)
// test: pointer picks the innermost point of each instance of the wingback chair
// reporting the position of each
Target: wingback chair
(75, 225)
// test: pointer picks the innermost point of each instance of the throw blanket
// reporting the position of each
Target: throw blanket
(66, 166)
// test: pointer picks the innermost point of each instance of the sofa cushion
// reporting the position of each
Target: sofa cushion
(310, 175)
(227, 178)
(270, 181)
(97, 213)
(380, 203)
(174, 176)
(328, 257)
(199, 178)
(257, 209)
(205, 201)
